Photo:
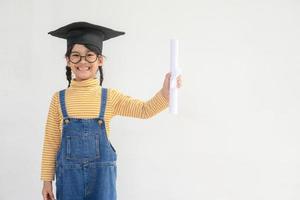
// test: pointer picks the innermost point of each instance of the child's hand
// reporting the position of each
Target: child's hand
(47, 191)
(166, 86)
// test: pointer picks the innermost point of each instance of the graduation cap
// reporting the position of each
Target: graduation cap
(85, 33)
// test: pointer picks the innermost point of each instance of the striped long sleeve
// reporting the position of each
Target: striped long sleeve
(51, 141)
(125, 105)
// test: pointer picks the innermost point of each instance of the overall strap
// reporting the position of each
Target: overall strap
(63, 103)
(103, 102)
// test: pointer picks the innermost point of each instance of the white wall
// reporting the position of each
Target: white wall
(237, 134)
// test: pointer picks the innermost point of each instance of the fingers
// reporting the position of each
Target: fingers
(167, 80)
(45, 196)
(52, 196)
(48, 196)
(179, 81)
(168, 76)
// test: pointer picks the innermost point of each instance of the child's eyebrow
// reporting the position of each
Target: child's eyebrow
(85, 52)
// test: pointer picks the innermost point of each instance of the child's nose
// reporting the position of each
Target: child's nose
(83, 59)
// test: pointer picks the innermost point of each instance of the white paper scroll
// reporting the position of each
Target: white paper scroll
(175, 71)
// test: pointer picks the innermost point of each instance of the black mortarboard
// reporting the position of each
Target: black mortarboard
(85, 33)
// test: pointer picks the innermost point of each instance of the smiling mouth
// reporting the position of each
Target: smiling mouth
(83, 68)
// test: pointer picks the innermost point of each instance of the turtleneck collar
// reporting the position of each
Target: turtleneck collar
(88, 83)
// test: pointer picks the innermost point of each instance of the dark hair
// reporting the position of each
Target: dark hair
(91, 48)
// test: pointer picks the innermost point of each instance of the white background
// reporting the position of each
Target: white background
(237, 133)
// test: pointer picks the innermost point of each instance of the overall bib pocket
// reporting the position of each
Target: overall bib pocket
(82, 147)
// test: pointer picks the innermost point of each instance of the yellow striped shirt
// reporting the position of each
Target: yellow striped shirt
(83, 101)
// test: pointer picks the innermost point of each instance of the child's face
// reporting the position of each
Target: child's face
(84, 70)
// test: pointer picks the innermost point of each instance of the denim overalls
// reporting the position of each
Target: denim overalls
(86, 160)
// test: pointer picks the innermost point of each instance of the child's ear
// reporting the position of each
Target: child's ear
(67, 60)
(100, 60)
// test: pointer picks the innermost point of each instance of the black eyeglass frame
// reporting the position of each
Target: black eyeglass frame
(75, 52)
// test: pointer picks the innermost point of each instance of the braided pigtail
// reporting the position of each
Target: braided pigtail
(68, 74)
(101, 74)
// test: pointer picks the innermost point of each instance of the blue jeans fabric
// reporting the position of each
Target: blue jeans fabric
(86, 160)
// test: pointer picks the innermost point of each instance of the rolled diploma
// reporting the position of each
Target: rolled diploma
(173, 108)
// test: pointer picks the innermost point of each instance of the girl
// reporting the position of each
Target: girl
(76, 146)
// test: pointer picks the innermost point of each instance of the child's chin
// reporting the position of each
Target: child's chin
(83, 76)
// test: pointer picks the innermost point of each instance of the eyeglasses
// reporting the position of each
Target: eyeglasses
(90, 57)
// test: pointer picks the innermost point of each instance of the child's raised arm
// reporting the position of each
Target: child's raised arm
(125, 105)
